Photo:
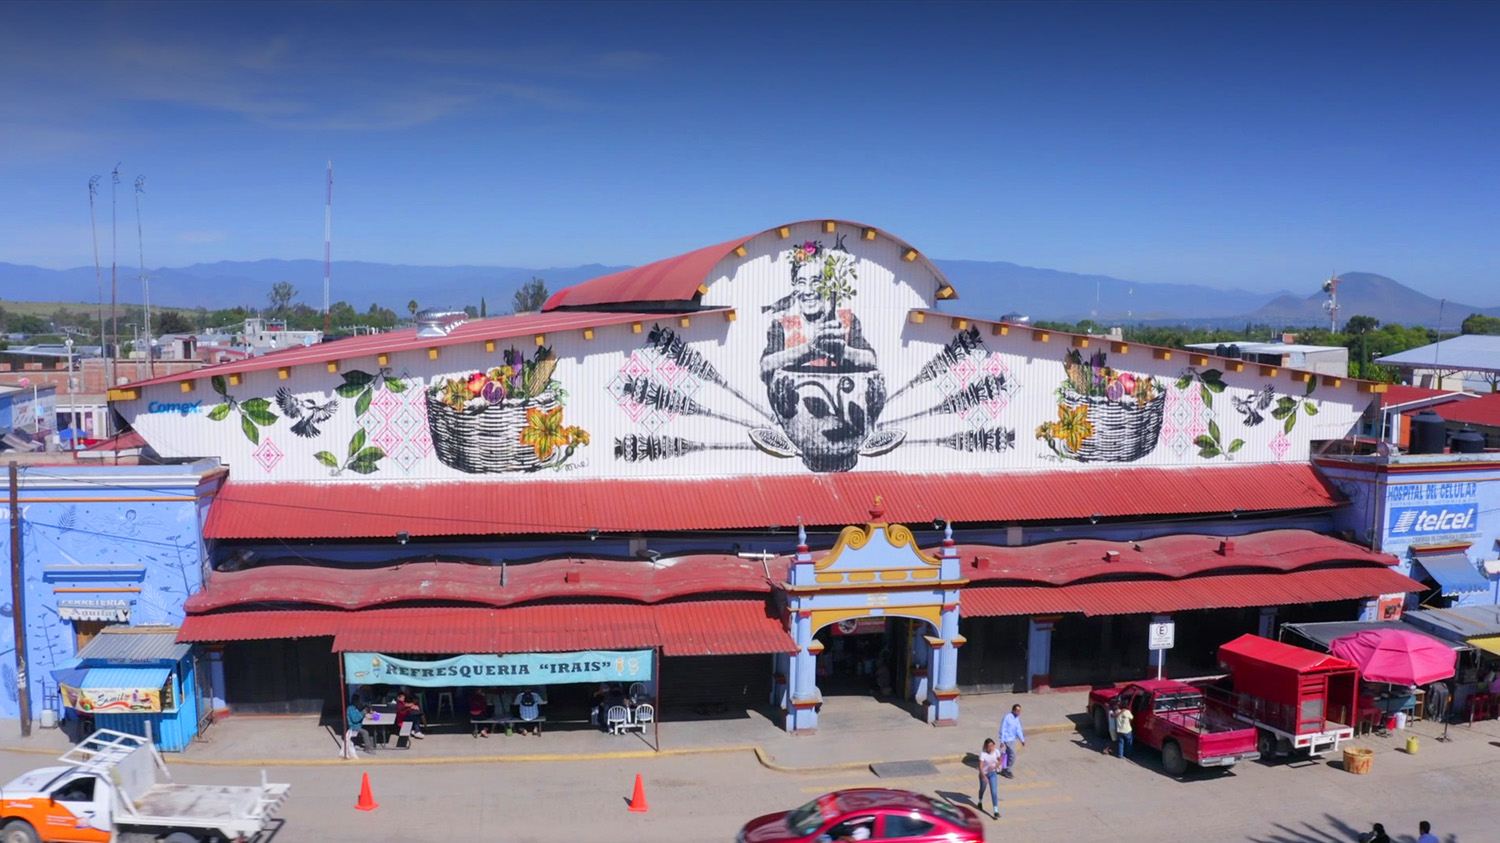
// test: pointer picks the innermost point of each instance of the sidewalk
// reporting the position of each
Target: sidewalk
(853, 732)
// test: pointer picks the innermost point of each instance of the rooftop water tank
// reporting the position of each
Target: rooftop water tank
(1467, 441)
(1427, 433)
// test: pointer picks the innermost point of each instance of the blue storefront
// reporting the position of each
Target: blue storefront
(137, 680)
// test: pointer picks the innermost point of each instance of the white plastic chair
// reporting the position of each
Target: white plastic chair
(637, 691)
(618, 719)
(644, 714)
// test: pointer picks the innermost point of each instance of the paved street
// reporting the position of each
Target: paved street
(1065, 790)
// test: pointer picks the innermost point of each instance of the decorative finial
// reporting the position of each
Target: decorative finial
(947, 532)
(801, 536)
(878, 511)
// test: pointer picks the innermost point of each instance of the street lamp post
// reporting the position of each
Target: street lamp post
(72, 393)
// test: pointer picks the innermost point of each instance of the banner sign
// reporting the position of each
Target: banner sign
(491, 669)
(859, 626)
(112, 700)
(94, 610)
(1428, 511)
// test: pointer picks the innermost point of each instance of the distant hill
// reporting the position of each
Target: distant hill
(1368, 294)
(985, 288)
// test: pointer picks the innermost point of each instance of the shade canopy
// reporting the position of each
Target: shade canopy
(1396, 656)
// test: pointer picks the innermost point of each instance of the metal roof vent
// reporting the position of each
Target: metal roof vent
(439, 323)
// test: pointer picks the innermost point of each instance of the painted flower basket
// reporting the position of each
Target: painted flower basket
(487, 440)
(1124, 429)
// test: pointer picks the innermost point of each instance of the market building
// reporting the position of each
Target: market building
(785, 466)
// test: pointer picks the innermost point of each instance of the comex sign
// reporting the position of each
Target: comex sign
(1421, 511)
(185, 408)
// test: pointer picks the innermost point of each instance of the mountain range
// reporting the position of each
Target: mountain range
(986, 289)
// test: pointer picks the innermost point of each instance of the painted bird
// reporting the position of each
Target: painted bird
(308, 411)
(1253, 405)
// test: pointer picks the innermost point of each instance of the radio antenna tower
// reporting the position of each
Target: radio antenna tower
(1331, 287)
(327, 246)
(109, 363)
(140, 187)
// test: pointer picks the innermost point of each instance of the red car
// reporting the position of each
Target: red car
(869, 813)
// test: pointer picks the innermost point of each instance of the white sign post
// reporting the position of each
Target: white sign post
(1162, 636)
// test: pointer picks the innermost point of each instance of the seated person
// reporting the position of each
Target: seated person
(859, 828)
(528, 704)
(356, 714)
(408, 710)
(480, 709)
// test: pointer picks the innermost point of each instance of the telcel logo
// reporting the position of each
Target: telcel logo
(1421, 520)
(185, 408)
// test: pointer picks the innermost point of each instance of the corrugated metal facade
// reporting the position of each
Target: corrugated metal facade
(751, 397)
(720, 628)
(1224, 591)
(259, 625)
(126, 644)
(308, 510)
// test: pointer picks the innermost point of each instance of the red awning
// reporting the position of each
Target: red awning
(1223, 591)
(720, 628)
(260, 625)
(362, 510)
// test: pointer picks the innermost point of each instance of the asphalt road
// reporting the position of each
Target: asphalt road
(1065, 790)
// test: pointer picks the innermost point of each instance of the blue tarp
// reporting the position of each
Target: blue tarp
(1454, 573)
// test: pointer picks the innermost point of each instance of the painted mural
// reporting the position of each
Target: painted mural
(820, 349)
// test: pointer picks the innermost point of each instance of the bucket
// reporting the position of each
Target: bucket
(1400, 720)
(1411, 745)
(1357, 759)
(49, 718)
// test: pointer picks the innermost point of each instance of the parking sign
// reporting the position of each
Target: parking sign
(1163, 635)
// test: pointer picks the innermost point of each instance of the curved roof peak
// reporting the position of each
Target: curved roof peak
(678, 280)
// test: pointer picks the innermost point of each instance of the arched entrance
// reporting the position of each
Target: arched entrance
(875, 572)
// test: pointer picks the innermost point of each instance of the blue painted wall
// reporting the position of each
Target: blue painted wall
(88, 532)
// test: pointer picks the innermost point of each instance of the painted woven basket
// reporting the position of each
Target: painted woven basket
(485, 440)
(1124, 430)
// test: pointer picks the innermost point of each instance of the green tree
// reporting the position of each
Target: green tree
(413, 307)
(531, 296)
(172, 322)
(281, 295)
(484, 309)
(1358, 325)
(1478, 323)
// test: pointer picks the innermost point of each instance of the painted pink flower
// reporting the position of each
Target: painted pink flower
(810, 248)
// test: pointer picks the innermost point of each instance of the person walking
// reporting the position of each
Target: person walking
(989, 775)
(1375, 835)
(1426, 835)
(1125, 728)
(1011, 733)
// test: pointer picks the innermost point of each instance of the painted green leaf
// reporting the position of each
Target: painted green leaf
(1236, 445)
(349, 390)
(1282, 412)
(1213, 430)
(1204, 441)
(356, 442)
(1182, 382)
(1291, 422)
(251, 431)
(1312, 383)
(327, 459)
(362, 403)
(368, 461)
(258, 410)
(1310, 408)
(355, 377)
(220, 412)
(1286, 401)
(395, 384)
(1211, 375)
(219, 385)
(1208, 395)
(1209, 453)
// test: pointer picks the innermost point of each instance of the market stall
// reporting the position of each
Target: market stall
(1476, 689)
(133, 679)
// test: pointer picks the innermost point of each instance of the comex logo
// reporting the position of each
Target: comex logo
(1433, 521)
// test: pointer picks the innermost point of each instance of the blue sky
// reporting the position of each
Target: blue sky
(1260, 146)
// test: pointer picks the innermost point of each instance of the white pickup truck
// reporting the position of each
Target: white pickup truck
(115, 788)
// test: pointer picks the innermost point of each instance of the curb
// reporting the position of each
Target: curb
(764, 758)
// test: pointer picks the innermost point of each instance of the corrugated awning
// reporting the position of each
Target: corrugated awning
(1223, 591)
(1487, 643)
(283, 511)
(720, 628)
(125, 678)
(259, 625)
(1454, 573)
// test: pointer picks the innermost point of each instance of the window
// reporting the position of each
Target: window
(906, 825)
(854, 828)
(77, 790)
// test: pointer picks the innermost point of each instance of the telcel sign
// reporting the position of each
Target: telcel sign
(1409, 521)
(1424, 511)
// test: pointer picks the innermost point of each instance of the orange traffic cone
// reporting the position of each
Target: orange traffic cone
(367, 799)
(638, 801)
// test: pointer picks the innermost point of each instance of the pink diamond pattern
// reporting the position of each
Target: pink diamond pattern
(387, 440)
(385, 402)
(1280, 445)
(407, 457)
(268, 455)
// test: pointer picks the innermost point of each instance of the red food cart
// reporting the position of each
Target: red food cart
(1297, 699)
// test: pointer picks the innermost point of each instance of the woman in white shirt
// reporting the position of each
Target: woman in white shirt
(989, 774)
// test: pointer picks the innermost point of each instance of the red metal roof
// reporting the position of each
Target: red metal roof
(1222, 591)
(1401, 394)
(692, 628)
(260, 625)
(362, 510)
(674, 279)
(369, 345)
(720, 628)
(1169, 557)
(1484, 410)
(479, 584)
(1300, 659)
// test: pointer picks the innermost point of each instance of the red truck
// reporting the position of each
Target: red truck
(1173, 717)
(1296, 699)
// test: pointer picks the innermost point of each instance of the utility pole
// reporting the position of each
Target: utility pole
(18, 599)
(327, 246)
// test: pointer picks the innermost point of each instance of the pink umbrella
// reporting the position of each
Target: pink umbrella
(1396, 656)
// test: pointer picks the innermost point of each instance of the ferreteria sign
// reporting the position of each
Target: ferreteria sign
(491, 669)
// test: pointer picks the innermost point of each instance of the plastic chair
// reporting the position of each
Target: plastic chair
(637, 691)
(445, 698)
(617, 719)
(644, 714)
(1479, 707)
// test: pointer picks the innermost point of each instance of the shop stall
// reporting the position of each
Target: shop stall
(133, 679)
(1476, 690)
